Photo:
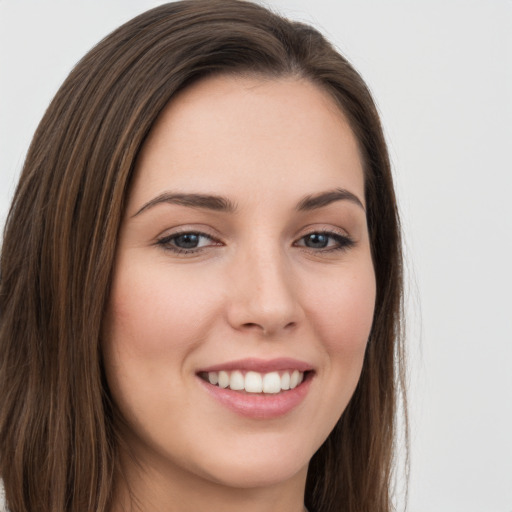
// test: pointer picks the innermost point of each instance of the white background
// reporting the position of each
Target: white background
(441, 73)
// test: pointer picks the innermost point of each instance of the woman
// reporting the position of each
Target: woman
(201, 277)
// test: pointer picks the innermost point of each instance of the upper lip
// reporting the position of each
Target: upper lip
(260, 365)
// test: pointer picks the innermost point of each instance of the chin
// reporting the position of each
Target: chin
(261, 462)
(254, 473)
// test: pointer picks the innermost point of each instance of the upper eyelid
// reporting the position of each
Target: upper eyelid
(305, 231)
(319, 228)
(177, 231)
(334, 234)
(302, 232)
(176, 234)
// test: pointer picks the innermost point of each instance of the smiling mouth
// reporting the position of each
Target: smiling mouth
(255, 382)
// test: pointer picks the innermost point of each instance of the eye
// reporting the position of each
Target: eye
(186, 242)
(325, 240)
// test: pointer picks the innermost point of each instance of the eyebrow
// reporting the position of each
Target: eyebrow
(315, 201)
(223, 204)
(204, 201)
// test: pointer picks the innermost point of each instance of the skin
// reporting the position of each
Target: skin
(253, 288)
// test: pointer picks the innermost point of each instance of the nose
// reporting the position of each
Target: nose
(264, 296)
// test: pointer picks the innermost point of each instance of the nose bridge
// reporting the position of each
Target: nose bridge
(264, 295)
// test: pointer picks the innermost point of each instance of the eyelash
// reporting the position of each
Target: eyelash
(342, 242)
(166, 242)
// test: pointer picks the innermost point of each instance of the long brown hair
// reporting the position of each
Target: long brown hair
(58, 428)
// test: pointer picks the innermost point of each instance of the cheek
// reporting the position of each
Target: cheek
(345, 314)
(150, 327)
(342, 316)
(154, 313)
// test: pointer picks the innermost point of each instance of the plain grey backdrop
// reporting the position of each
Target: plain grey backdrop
(441, 73)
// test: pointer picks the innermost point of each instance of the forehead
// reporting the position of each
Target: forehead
(233, 132)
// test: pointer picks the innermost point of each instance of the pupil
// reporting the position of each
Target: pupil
(317, 241)
(187, 241)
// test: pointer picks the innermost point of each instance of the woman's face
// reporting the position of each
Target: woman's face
(243, 261)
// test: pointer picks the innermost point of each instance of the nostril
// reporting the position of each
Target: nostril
(252, 325)
(266, 330)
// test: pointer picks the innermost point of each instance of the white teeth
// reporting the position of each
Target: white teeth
(255, 382)
(271, 383)
(285, 381)
(223, 379)
(236, 382)
(294, 379)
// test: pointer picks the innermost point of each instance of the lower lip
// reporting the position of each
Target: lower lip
(259, 405)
